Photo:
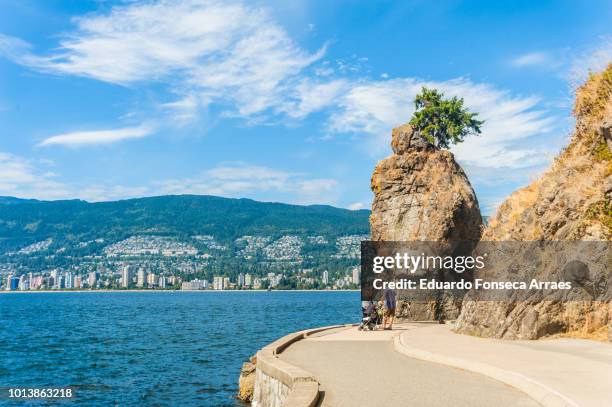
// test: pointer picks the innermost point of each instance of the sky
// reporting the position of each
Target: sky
(279, 101)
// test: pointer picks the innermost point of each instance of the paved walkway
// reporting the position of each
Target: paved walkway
(578, 372)
(362, 369)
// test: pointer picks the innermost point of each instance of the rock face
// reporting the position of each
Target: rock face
(571, 201)
(246, 383)
(422, 194)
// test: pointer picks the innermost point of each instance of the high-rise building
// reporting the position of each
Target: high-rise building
(217, 283)
(92, 279)
(140, 278)
(241, 279)
(325, 277)
(248, 280)
(126, 277)
(271, 279)
(24, 283)
(226, 283)
(162, 282)
(12, 282)
(78, 282)
(35, 282)
(151, 280)
(61, 282)
(356, 275)
(55, 276)
(69, 280)
(193, 285)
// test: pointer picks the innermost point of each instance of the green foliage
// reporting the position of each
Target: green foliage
(602, 151)
(70, 222)
(443, 121)
(602, 211)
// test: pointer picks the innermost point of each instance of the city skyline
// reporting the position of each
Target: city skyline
(57, 279)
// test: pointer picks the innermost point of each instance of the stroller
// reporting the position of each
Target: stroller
(370, 316)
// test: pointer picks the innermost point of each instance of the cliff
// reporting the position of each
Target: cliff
(572, 201)
(422, 194)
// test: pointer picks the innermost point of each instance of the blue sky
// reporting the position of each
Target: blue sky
(104, 100)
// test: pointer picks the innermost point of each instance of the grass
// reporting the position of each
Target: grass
(593, 96)
(600, 334)
(602, 212)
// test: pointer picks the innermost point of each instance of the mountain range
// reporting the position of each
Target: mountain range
(26, 221)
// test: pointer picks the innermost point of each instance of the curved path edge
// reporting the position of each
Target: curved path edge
(303, 386)
(541, 393)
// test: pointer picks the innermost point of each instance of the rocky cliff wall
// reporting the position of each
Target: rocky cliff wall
(571, 201)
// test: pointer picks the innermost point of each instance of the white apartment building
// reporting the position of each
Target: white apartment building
(140, 278)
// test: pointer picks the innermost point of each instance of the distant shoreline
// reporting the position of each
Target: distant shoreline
(164, 291)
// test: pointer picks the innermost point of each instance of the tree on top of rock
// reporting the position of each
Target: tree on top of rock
(443, 121)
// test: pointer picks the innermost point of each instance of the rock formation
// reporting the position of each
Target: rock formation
(246, 383)
(422, 194)
(571, 201)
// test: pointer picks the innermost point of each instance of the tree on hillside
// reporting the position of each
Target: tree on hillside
(443, 121)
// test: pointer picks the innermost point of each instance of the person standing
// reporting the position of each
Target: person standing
(389, 309)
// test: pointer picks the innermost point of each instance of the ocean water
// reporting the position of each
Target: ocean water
(150, 348)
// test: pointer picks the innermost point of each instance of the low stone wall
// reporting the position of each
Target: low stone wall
(269, 391)
(278, 383)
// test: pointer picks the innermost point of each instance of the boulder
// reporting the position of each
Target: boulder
(246, 383)
(421, 193)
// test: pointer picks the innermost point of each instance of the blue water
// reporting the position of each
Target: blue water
(151, 348)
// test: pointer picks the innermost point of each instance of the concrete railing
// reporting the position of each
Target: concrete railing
(278, 383)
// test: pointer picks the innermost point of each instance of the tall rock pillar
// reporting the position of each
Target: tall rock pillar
(422, 194)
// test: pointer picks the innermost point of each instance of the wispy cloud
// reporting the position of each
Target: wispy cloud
(236, 55)
(539, 58)
(24, 178)
(373, 108)
(356, 206)
(240, 179)
(82, 138)
(32, 179)
(218, 51)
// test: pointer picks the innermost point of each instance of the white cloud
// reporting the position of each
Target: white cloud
(81, 138)
(240, 180)
(356, 206)
(229, 52)
(236, 55)
(21, 177)
(532, 59)
(317, 191)
(373, 108)
(27, 179)
(310, 96)
(230, 180)
(185, 110)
